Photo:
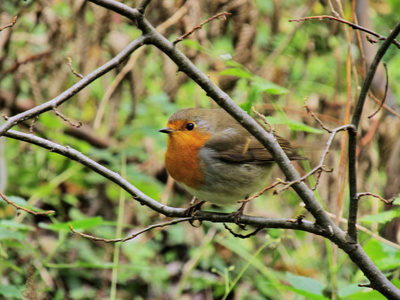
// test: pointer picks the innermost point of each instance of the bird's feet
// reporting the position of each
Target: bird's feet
(191, 210)
(238, 214)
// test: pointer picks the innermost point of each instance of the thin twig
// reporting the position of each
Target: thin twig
(308, 109)
(320, 167)
(271, 128)
(32, 126)
(371, 40)
(30, 58)
(9, 25)
(390, 201)
(242, 236)
(177, 40)
(385, 94)
(72, 68)
(142, 6)
(67, 94)
(36, 213)
(389, 109)
(367, 285)
(68, 120)
(261, 192)
(132, 236)
(131, 63)
(367, 231)
(299, 219)
(352, 25)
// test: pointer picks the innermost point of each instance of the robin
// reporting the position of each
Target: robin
(216, 159)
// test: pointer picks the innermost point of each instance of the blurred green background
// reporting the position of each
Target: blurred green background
(260, 59)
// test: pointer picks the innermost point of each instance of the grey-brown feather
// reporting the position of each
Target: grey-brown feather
(232, 143)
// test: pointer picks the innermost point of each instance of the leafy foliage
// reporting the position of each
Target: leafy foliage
(40, 259)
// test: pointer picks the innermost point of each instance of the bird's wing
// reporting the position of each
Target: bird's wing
(230, 146)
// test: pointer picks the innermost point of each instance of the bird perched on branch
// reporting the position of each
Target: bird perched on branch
(216, 159)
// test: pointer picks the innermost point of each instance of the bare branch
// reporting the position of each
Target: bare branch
(389, 202)
(153, 204)
(384, 95)
(36, 213)
(143, 5)
(131, 63)
(120, 8)
(9, 25)
(389, 109)
(261, 192)
(79, 75)
(32, 126)
(367, 231)
(224, 14)
(132, 236)
(315, 117)
(271, 128)
(242, 236)
(57, 101)
(352, 147)
(320, 167)
(68, 120)
(352, 25)
(96, 167)
(31, 58)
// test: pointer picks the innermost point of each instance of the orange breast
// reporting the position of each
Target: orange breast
(181, 158)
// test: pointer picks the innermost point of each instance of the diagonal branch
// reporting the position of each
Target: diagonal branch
(57, 101)
(14, 20)
(181, 38)
(155, 205)
(352, 25)
(352, 148)
(36, 213)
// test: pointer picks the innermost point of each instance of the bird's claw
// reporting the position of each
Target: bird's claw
(238, 214)
(192, 209)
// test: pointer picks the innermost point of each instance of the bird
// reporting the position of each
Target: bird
(216, 159)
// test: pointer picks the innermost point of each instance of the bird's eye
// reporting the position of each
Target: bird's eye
(190, 126)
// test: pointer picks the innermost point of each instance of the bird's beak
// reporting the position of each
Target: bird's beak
(166, 130)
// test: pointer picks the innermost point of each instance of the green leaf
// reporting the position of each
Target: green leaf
(238, 72)
(298, 126)
(80, 224)
(349, 290)
(308, 295)
(17, 200)
(306, 286)
(15, 225)
(22, 202)
(11, 291)
(6, 234)
(384, 256)
(397, 200)
(194, 44)
(363, 295)
(389, 263)
(270, 87)
(382, 217)
(293, 125)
